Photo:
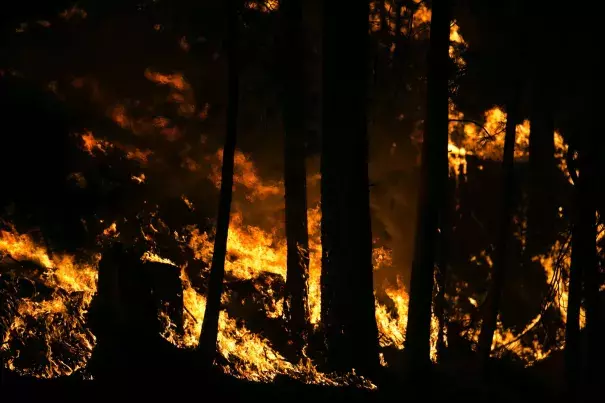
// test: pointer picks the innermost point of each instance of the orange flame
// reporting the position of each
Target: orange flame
(67, 278)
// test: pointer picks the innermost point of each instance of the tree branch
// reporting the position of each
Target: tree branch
(488, 136)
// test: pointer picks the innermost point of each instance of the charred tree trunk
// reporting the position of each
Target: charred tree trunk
(208, 337)
(445, 234)
(492, 303)
(588, 187)
(542, 209)
(347, 280)
(582, 221)
(296, 306)
(433, 183)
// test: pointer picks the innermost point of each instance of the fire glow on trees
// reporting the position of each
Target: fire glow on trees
(253, 251)
(56, 320)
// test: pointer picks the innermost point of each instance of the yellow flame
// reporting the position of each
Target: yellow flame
(68, 278)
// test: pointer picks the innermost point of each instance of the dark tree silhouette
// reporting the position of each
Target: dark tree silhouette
(587, 210)
(580, 103)
(445, 235)
(492, 303)
(433, 182)
(515, 51)
(583, 281)
(347, 294)
(589, 190)
(296, 305)
(542, 203)
(583, 219)
(208, 337)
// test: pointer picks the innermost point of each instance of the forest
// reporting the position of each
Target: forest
(309, 199)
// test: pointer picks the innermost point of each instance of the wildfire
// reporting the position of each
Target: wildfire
(485, 140)
(111, 231)
(250, 355)
(58, 318)
(90, 144)
(265, 6)
(180, 93)
(246, 175)
(140, 179)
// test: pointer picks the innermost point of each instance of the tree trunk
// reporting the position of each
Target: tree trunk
(208, 337)
(543, 207)
(580, 230)
(445, 234)
(347, 280)
(296, 305)
(492, 303)
(433, 182)
(588, 187)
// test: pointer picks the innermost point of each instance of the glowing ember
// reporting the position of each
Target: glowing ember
(140, 179)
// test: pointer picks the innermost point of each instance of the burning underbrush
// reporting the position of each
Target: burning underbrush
(46, 295)
(45, 298)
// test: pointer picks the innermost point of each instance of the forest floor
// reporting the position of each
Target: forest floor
(444, 384)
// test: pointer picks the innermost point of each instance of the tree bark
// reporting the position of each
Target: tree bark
(296, 305)
(445, 234)
(543, 208)
(347, 280)
(580, 230)
(209, 335)
(433, 182)
(492, 303)
(587, 189)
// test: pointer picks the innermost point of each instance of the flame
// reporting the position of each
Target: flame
(61, 315)
(119, 114)
(153, 257)
(265, 6)
(142, 156)
(175, 81)
(188, 203)
(556, 264)
(246, 175)
(180, 92)
(72, 12)
(422, 16)
(487, 142)
(111, 231)
(140, 179)
(91, 144)
(252, 250)
(250, 355)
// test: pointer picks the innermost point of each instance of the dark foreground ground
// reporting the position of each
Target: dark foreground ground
(171, 375)
(444, 384)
